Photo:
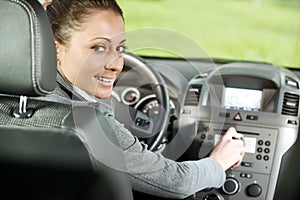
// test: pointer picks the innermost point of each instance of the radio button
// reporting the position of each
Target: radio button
(223, 114)
(202, 136)
(247, 164)
(259, 149)
(266, 158)
(267, 150)
(258, 157)
(244, 175)
(249, 175)
(252, 117)
(210, 137)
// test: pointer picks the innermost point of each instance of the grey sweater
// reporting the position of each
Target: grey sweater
(148, 171)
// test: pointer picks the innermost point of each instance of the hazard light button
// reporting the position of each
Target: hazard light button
(237, 117)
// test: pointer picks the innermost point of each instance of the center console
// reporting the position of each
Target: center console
(262, 102)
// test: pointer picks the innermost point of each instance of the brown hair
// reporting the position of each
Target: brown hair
(68, 15)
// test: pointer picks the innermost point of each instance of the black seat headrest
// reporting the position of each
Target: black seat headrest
(27, 49)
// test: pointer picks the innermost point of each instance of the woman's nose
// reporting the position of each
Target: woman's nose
(116, 64)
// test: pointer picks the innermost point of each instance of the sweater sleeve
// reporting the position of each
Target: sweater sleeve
(154, 174)
(150, 172)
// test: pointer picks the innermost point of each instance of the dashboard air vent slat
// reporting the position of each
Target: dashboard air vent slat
(193, 95)
(290, 104)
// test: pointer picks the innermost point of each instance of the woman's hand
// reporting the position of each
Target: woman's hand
(230, 150)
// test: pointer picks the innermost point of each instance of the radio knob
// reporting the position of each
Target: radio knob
(253, 190)
(231, 186)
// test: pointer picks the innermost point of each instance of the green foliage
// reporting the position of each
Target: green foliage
(257, 30)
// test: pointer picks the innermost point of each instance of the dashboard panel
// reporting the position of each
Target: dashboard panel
(259, 99)
(206, 98)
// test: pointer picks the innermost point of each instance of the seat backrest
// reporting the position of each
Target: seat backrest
(42, 154)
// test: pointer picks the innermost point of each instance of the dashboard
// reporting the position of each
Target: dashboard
(262, 102)
(206, 98)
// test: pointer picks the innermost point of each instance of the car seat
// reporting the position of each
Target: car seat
(43, 154)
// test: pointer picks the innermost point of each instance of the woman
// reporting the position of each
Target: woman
(90, 40)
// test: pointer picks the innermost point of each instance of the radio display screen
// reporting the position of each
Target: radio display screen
(243, 99)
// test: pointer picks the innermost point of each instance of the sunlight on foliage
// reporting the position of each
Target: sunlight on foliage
(256, 30)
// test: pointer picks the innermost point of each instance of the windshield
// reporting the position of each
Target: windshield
(251, 30)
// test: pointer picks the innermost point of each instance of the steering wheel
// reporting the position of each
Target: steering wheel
(149, 127)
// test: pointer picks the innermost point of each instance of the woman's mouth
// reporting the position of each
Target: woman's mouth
(105, 81)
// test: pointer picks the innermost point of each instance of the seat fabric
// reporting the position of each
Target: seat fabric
(42, 152)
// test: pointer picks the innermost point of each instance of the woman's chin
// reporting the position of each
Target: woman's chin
(103, 94)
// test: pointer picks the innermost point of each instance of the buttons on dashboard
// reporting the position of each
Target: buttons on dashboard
(247, 164)
(205, 135)
(245, 175)
(223, 114)
(252, 117)
(267, 150)
(202, 136)
(237, 117)
(292, 122)
(266, 157)
(259, 150)
(142, 123)
(263, 147)
(186, 111)
(210, 137)
(206, 141)
(258, 157)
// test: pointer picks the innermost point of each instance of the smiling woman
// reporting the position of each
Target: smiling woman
(90, 57)
(101, 65)
(228, 125)
(254, 30)
(90, 38)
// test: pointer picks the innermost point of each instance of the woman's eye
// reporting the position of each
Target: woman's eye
(99, 48)
(121, 49)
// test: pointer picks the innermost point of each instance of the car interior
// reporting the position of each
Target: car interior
(179, 107)
(41, 153)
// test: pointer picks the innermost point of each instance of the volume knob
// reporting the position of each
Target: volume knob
(253, 190)
(231, 186)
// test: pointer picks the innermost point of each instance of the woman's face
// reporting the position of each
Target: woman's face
(93, 59)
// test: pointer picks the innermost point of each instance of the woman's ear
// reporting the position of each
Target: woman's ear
(46, 4)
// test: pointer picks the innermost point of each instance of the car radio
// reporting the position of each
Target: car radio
(262, 102)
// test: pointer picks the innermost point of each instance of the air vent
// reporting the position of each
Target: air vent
(290, 104)
(193, 95)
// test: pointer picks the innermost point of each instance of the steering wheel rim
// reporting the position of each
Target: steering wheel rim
(158, 85)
